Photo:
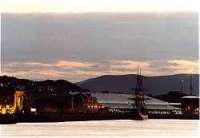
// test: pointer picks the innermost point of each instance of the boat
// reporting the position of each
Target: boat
(141, 113)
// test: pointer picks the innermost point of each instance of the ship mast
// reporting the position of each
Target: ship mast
(139, 94)
(139, 82)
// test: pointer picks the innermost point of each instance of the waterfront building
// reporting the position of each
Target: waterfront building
(12, 102)
(190, 104)
(124, 103)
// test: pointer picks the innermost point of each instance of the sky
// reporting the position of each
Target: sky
(76, 40)
(97, 5)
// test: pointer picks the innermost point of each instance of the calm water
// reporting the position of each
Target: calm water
(103, 129)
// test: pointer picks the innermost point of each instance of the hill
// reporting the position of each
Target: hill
(47, 87)
(155, 85)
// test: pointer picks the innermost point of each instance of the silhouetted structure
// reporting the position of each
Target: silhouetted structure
(139, 96)
(190, 105)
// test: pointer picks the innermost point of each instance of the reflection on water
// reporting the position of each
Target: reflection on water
(104, 129)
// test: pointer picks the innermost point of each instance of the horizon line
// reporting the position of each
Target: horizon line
(5, 75)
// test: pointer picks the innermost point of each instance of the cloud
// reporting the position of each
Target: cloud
(181, 66)
(78, 70)
(99, 36)
(128, 65)
(176, 66)
(80, 46)
(72, 64)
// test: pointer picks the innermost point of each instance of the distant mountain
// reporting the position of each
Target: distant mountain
(155, 85)
(47, 87)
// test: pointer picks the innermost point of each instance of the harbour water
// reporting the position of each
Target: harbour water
(103, 129)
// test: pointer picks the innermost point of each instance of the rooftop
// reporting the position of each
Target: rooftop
(191, 97)
(114, 100)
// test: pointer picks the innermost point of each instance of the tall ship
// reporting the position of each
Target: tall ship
(140, 110)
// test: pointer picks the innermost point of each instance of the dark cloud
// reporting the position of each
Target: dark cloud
(98, 39)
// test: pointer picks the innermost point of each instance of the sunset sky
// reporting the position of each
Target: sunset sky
(77, 40)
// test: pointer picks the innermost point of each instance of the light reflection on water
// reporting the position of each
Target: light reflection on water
(104, 129)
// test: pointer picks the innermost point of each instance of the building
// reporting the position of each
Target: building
(13, 102)
(190, 104)
(125, 102)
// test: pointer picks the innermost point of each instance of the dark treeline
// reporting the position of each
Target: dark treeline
(46, 87)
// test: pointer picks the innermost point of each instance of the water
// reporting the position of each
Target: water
(103, 129)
